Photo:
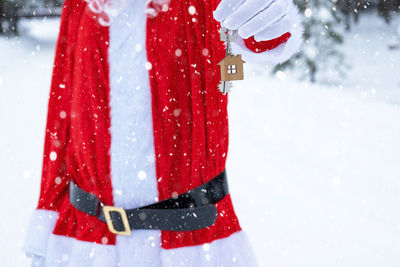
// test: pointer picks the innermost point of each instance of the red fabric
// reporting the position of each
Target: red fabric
(259, 47)
(80, 88)
(190, 148)
(54, 175)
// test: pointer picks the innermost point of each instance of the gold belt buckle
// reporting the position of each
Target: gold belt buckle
(122, 212)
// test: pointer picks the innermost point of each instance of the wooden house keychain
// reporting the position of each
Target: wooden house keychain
(231, 67)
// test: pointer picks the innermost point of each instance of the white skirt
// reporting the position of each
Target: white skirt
(141, 248)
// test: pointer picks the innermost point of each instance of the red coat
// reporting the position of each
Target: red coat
(189, 122)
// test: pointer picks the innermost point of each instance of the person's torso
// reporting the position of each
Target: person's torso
(146, 119)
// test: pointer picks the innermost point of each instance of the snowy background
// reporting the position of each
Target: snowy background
(314, 170)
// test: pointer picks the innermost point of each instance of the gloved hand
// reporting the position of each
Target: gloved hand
(265, 19)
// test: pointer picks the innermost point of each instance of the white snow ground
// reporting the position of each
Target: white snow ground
(314, 171)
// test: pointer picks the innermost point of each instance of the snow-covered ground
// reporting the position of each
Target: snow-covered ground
(314, 171)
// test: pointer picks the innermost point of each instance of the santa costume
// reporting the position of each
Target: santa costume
(135, 118)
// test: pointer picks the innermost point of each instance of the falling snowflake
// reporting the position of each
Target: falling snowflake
(53, 156)
(63, 114)
(57, 180)
(192, 10)
(142, 175)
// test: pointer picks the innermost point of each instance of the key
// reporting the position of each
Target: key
(225, 87)
(224, 33)
(231, 67)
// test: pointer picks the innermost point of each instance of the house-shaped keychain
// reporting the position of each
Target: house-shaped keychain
(231, 68)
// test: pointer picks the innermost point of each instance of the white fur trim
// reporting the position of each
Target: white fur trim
(132, 147)
(281, 53)
(65, 251)
(40, 228)
(234, 251)
(109, 10)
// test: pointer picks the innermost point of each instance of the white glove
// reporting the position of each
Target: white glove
(265, 19)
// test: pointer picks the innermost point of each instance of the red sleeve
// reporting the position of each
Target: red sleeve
(259, 47)
(54, 184)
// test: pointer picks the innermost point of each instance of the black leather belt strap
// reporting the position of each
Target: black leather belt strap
(189, 211)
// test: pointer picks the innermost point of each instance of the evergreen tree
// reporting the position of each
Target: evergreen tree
(11, 11)
(388, 8)
(8, 16)
(320, 58)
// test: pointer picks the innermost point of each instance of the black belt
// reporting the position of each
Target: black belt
(189, 211)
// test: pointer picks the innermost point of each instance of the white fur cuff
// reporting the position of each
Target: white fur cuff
(40, 228)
